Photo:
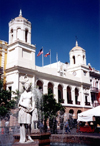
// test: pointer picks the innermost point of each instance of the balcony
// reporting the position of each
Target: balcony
(61, 100)
(87, 103)
(70, 102)
(94, 89)
(78, 102)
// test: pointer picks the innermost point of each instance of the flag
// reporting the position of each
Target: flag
(47, 54)
(90, 68)
(40, 52)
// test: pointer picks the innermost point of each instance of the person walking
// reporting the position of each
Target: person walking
(67, 129)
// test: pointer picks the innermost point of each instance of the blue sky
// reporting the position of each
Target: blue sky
(55, 23)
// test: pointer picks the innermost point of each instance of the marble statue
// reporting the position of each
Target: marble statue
(26, 107)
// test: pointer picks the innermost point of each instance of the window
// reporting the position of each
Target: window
(26, 35)
(10, 88)
(73, 59)
(11, 35)
(84, 73)
(86, 99)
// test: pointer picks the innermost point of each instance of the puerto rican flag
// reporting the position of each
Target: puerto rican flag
(47, 54)
(40, 52)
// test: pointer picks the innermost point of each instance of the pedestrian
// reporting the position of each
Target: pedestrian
(67, 129)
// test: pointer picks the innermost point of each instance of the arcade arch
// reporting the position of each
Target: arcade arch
(40, 84)
(69, 95)
(76, 96)
(60, 94)
(50, 86)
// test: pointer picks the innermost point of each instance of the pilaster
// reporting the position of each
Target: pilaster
(73, 95)
(65, 94)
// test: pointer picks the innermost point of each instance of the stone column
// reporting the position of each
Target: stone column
(73, 95)
(56, 92)
(33, 81)
(16, 82)
(65, 94)
(89, 96)
(82, 96)
(45, 91)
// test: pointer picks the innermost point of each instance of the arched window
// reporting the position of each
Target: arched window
(50, 87)
(18, 33)
(76, 95)
(69, 95)
(79, 111)
(40, 85)
(71, 111)
(73, 59)
(26, 35)
(84, 59)
(11, 35)
(60, 94)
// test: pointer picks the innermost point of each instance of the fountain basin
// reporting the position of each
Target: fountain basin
(40, 139)
(86, 140)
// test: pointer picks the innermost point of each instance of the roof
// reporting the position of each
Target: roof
(20, 17)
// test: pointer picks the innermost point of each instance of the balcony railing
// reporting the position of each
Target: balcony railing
(87, 103)
(78, 102)
(94, 89)
(70, 102)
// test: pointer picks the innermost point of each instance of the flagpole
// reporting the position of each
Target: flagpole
(57, 57)
(50, 56)
(42, 58)
(57, 60)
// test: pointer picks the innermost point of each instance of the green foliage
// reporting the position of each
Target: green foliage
(50, 106)
(6, 103)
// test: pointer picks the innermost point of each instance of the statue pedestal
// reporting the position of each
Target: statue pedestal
(40, 139)
(26, 144)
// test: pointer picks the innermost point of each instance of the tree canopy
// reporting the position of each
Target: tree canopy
(50, 107)
(6, 103)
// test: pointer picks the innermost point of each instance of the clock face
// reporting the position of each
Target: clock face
(74, 73)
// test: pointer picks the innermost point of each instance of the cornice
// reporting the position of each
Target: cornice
(46, 75)
(22, 43)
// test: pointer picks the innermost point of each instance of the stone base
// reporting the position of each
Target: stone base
(75, 139)
(26, 144)
(40, 139)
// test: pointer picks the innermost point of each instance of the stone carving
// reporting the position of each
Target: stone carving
(26, 107)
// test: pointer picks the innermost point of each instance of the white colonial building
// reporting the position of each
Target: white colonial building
(70, 82)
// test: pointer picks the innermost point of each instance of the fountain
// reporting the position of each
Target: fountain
(58, 137)
(37, 136)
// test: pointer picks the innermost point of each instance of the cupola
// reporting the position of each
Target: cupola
(77, 55)
(20, 29)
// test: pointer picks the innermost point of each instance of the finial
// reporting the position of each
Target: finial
(76, 41)
(20, 13)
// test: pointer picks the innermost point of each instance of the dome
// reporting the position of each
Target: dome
(77, 47)
(20, 16)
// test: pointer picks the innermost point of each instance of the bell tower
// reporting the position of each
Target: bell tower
(21, 53)
(20, 29)
(77, 56)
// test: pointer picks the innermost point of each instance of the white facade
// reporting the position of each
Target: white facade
(70, 82)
